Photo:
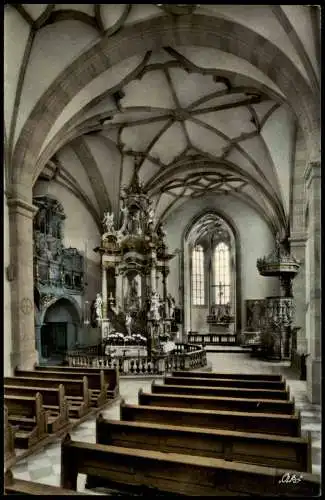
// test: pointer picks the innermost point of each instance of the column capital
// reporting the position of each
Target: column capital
(19, 204)
(298, 239)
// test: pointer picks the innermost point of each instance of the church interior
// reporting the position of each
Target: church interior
(162, 266)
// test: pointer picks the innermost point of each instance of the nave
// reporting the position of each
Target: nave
(44, 466)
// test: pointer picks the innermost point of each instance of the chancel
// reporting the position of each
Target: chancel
(162, 249)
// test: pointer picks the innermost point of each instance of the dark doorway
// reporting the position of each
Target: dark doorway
(59, 331)
(54, 339)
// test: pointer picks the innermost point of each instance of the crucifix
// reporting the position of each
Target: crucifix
(220, 286)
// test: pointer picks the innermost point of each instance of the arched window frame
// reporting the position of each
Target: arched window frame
(198, 276)
(223, 273)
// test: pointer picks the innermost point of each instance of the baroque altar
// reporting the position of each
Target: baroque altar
(135, 267)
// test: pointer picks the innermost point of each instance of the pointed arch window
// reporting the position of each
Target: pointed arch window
(222, 274)
(198, 276)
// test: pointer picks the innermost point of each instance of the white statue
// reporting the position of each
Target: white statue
(154, 306)
(151, 216)
(99, 307)
(121, 231)
(171, 305)
(128, 321)
(109, 222)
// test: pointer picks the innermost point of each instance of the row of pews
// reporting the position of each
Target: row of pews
(43, 401)
(198, 433)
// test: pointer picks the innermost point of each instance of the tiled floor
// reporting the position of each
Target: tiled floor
(44, 466)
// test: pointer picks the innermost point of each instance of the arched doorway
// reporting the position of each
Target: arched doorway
(59, 331)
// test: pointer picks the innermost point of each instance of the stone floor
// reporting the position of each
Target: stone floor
(44, 466)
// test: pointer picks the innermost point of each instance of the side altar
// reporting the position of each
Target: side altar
(221, 320)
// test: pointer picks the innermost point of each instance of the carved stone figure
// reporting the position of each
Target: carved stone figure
(109, 222)
(99, 307)
(171, 305)
(132, 301)
(154, 306)
(128, 321)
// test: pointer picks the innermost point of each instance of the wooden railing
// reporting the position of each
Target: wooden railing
(184, 357)
(212, 338)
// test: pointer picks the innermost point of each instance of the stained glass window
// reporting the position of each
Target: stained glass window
(222, 274)
(198, 276)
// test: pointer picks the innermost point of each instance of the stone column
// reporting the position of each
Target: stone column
(38, 342)
(119, 289)
(153, 271)
(312, 178)
(164, 282)
(104, 291)
(298, 250)
(21, 213)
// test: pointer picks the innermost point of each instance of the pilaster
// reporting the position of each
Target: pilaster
(298, 250)
(21, 214)
(312, 179)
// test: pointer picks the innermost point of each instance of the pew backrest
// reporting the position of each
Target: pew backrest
(257, 384)
(236, 376)
(219, 391)
(269, 450)
(73, 387)
(266, 423)
(51, 396)
(111, 375)
(216, 403)
(175, 473)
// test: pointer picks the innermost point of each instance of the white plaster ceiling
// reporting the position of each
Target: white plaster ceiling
(194, 120)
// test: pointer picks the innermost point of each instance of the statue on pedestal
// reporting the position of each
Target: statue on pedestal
(99, 307)
(128, 321)
(108, 222)
(154, 306)
(133, 300)
(171, 306)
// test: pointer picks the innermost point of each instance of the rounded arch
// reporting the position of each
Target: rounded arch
(152, 34)
(234, 230)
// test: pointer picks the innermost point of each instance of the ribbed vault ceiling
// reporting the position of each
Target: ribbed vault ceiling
(192, 121)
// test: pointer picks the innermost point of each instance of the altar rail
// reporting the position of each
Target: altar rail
(212, 338)
(185, 357)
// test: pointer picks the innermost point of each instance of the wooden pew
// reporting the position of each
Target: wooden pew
(269, 450)
(9, 437)
(236, 376)
(13, 486)
(266, 423)
(96, 382)
(248, 384)
(234, 392)
(173, 473)
(76, 391)
(111, 376)
(28, 414)
(54, 402)
(216, 403)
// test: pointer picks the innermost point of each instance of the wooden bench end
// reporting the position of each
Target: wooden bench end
(8, 478)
